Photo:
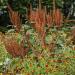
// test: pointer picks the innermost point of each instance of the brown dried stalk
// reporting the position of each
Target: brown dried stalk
(58, 18)
(15, 18)
(38, 17)
(69, 20)
(53, 10)
(49, 19)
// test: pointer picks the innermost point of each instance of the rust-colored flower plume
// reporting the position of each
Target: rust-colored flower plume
(14, 18)
(14, 48)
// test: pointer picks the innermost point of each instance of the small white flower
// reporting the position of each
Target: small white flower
(7, 61)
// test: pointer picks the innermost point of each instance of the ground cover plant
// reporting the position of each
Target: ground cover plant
(58, 58)
(43, 45)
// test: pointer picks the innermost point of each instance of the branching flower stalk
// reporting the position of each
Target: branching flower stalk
(14, 48)
(15, 18)
(58, 20)
(40, 18)
(57, 16)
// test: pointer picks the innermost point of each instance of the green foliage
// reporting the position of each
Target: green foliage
(63, 61)
(22, 5)
(59, 61)
(59, 3)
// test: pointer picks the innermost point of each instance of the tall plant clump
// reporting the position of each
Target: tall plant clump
(40, 18)
(57, 15)
(15, 48)
(14, 18)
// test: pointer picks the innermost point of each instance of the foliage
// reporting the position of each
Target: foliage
(43, 45)
(42, 61)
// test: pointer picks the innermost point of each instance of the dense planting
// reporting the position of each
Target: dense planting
(41, 40)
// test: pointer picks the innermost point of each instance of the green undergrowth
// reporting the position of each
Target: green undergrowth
(60, 61)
